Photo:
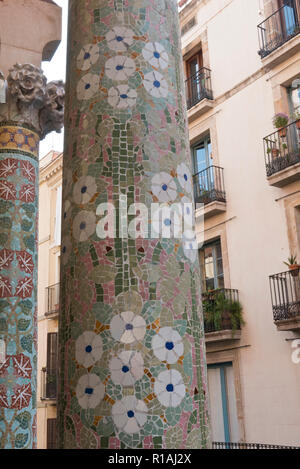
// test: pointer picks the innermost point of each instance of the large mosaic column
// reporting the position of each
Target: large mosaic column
(30, 109)
(132, 354)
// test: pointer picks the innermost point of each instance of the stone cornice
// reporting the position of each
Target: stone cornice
(52, 168)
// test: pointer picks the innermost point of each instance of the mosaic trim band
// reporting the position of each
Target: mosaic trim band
(131, 330)
(20, 139)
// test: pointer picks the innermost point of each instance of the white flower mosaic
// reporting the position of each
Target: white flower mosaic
(190, 245)
(164, 187)
(88, 56)
(88, 86)
(188, 212)
(89, 349)
(169, 388)
(84, 225)
(122, 97)
(119, 38)
(156, 85)
(84, 190)
(120, 68)
(89, 391)
(184, 177)
(167, 221)
(129, 414)
(66, 213)
(127, 368)
(128, 327)
(167, 345)
(156, 55)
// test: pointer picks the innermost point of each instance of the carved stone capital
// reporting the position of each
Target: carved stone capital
(30, 100)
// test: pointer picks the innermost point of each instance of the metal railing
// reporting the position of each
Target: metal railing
(282, 148)
(52, 299)
(285, 295)
(279, 28)
(219, 307)
(223, 445)
(48, 384)
(209, 185)
(198, 87)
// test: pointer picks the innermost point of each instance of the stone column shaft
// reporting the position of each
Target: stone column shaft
(30, 109)
(132, 354)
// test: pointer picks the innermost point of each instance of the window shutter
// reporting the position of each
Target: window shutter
(51, 433)
(51, 380)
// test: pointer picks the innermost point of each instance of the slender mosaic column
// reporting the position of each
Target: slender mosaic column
(132, 354)
(30, 110)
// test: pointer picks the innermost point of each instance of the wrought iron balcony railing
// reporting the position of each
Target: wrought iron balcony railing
(222, 310)
(198, 87)
(209, 185)
(223, 445)
(279, 28)
(285, 295)
(52, 300)
(282, 148)
(48, 384)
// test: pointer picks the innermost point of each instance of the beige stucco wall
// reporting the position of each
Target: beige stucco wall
(35, 34)
(258, 230)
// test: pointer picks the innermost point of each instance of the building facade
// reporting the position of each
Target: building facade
(48, 295)
(242, 66)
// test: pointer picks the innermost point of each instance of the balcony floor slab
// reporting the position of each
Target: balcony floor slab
(285, 177)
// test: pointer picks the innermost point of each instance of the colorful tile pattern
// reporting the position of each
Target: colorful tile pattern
(18, 287)
(131, 330)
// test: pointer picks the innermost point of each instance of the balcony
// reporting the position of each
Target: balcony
(285, 294)
(282, 155)
(279, 34)
(209, 189)
(199, 93)
(222, 315)
(52, 300)
(48, 384)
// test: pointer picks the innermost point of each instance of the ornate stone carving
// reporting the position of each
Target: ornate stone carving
(32, 101)
(52, 114)
(27, 84)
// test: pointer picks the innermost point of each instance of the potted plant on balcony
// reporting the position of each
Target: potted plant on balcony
(222, 313)
(293, 266)
(280, 121)
(274, 151)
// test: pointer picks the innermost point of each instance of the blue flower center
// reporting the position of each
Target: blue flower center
(88, 349)
(123, 96)
(169, 345)
(170, 388)
(87, 86)
(185, 177)
(87, 55)
(119, 67)
(83, 190)
(89, 391)
(156, 83)
(129, 327)
(168, 222)
(64, 250)
(119, 38)
(125, 369)
(130, 414)
(82, 226)
(65, 215)
(164, 187)
(156, 54)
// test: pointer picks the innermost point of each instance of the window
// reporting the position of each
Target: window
(222, 399)
(51, 380)
(294, 99)
(51, 433)
(211, 262)
(202, 155)
(288, 17)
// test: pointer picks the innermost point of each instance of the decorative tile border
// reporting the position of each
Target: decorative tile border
(14, 137)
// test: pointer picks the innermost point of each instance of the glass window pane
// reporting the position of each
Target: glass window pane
(216, 407)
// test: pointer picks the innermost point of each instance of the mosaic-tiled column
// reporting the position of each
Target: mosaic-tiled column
(30, 110)
(132, 355)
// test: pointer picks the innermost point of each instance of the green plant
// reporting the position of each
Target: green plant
(280, 120)
(217, 309)
(292, 260)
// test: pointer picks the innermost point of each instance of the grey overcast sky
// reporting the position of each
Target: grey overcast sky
(56, 70)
